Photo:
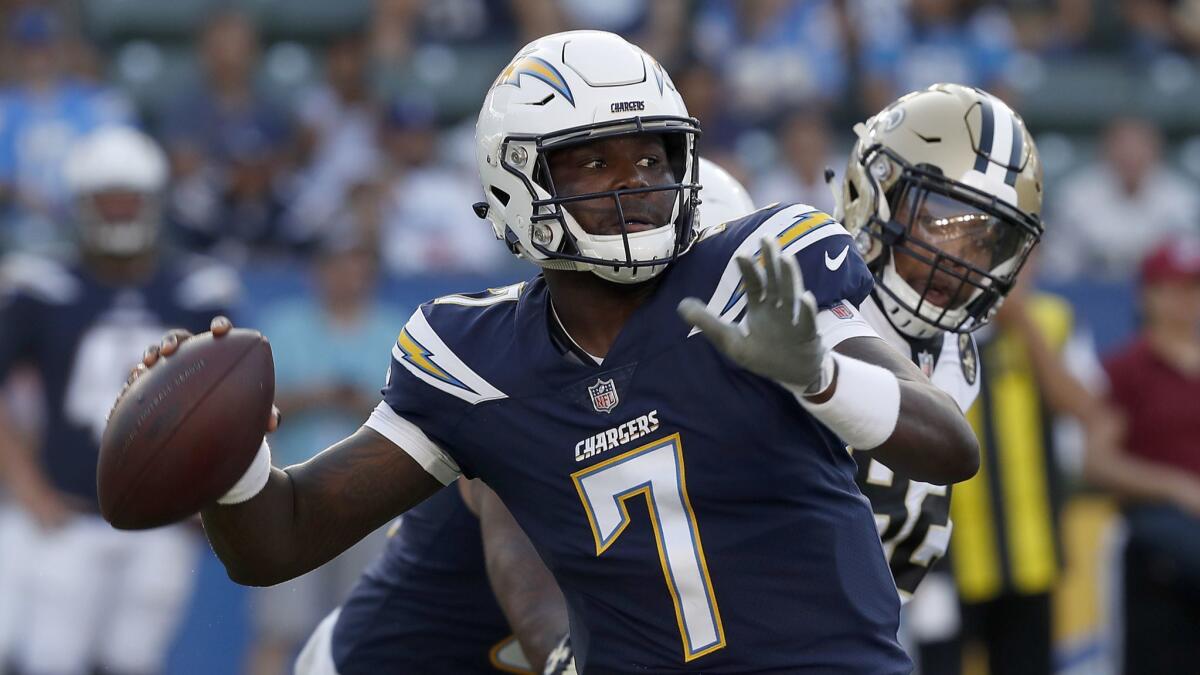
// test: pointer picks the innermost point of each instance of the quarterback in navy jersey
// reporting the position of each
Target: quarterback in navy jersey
(715, 524)
(76, 322)
(427, 602)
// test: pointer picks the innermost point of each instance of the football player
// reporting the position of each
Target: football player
(426, 604)
(580, 396)
(93, 597)
(956, 219)
(942, 193)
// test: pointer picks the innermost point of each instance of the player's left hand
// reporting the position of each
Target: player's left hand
(778, 338)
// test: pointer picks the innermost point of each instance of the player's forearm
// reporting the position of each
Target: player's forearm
(309, 513)
(931, 440)
(524, 588)
(18, 468)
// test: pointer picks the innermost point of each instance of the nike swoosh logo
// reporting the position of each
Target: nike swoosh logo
(834, 263)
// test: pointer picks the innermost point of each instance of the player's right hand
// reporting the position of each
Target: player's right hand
(170, 343)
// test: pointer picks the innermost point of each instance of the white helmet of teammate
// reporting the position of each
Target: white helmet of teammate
(571, 88)
(117, 175)
(723, 198)
(943, 194)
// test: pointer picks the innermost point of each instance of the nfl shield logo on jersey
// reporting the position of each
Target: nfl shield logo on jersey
(604, 395)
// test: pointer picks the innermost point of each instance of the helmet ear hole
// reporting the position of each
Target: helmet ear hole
(500, 195)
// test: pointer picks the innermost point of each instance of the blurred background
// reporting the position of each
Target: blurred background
(324, 152)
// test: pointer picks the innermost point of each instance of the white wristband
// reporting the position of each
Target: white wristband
(253, 481)
(865, 404)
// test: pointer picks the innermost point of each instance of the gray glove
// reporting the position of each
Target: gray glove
(778, 338)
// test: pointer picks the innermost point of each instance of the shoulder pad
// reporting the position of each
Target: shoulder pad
(41, 278)
(438, 336)
(492, 296)
(206, 284)
(957, 370)
(797, 228)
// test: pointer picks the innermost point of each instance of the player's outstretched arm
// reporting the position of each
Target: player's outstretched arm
(524, 588)
(863, 390)
(307, 514)
(931, 441)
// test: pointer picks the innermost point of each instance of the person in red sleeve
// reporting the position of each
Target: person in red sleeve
(1155, 468)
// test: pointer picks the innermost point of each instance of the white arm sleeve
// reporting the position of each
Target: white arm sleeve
(413, 441)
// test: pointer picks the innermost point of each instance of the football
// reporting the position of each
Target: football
(186, 430)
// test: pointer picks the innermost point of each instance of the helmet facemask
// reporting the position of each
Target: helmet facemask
(132, 232)
(625, 257)
(950, 251)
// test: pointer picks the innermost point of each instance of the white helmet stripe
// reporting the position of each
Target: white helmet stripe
(1002, 138)
(1014, 158)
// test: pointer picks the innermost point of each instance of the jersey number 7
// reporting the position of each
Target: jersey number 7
(656, 472)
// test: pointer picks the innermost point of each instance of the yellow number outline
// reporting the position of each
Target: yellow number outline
(644, 489)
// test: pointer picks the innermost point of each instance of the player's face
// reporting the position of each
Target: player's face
(957, 230)
(117, 206)
(614, 164)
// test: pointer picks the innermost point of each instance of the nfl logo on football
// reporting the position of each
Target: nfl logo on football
(604, 396)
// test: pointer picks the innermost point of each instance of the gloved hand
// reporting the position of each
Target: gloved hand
(778, 338)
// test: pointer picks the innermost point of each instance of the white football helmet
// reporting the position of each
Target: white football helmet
(723, 198)
(567, 89)
(117, 159)
(947, 180)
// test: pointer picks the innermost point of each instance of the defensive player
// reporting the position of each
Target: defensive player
(579, 393)
(943, 194)
(426, 604)
(93, 597)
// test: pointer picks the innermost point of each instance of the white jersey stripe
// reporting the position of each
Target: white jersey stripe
(427, 357)
(728, 287)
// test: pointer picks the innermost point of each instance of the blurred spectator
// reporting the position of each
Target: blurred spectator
(1154, 28)
(656, 26)
(799, 173)
(427, 227)
(323, 401)
(774, 54)
(42, 113)
(400, 27)
(1155, 383)
(95, 599)
(931, 41)
(1110, 214)
(337, 137)
(707, 100)
(1053, 28)
(1006, 549)
(229, 150)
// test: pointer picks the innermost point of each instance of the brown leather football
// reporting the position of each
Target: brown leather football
(186, 431)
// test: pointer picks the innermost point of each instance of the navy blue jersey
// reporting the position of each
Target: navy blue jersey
(694, 515)
(425, 605)
(82, 336)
